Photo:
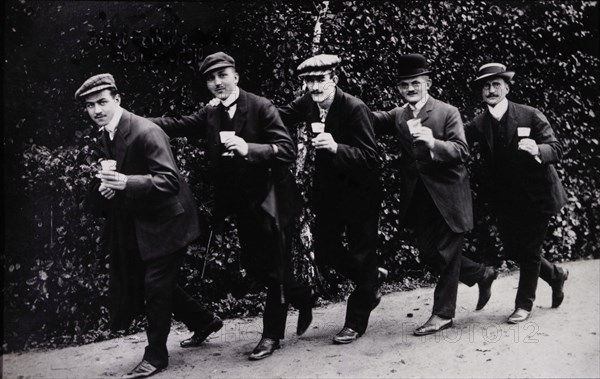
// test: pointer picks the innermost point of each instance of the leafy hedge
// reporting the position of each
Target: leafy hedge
(55, 275)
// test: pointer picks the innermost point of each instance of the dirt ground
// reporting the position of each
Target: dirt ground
(563, 342)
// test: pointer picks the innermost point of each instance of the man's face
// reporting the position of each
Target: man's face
(222, 82)
(321, 87)
(494, 91)
(101, 106)
(414, 89)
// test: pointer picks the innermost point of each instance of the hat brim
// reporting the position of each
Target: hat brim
(315, 73)
(95, 89)
(217, 66)
(427, 72)
(508, 75)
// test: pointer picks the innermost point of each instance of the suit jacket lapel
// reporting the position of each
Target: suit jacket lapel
(239, 118)
(424, 112)
(485, 128)
(121, 138)
(403, 126)
(331, 123)
(512, 122)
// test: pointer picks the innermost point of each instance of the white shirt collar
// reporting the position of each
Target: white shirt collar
(417, 107)
(233, 97)
(111, 127)
(499, 110)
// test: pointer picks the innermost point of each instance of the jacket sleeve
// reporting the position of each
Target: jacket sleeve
(454, 147)
(384, 122)
(362, 150)
(550, 148)
(193, 125)
(294, 112)
(277, 144)
(162, 179)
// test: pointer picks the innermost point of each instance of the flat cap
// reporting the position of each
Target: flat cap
(318, 65)
(216, 61)
(94, 84)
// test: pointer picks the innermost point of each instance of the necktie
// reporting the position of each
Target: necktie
(226, 120)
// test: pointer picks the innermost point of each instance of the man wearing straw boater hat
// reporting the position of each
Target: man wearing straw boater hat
(150, 218)
(435, 195)
(250, 151)
(346, 188)
(519, 148)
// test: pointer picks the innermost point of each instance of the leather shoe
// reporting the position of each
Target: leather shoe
(143, 370)
(346, 335)
(557, 289)
(433, 325)
(519, 315)
(485, 287)
(265, 348)
(200, 335)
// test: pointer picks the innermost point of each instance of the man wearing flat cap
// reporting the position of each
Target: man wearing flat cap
(435, 195)
(250, 152)
(151, 217)
(346, 187)
(519, 149)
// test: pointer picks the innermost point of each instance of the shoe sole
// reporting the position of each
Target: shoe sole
(258, 358)
(344, 342)
(509, 321)
(446, 326)
(213, 330)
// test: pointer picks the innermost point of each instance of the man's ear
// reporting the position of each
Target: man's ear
(237, 77)
(428, 82)
(335, 79)
(507, 88)
(118, 99)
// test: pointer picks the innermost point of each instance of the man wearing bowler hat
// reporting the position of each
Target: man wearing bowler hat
(435, 195)
(519, 148)
(151, 217)
(250, 151)
(346, 187)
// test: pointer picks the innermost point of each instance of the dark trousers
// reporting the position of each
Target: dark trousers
(163, 297)
(440, 247)
(471, 272)
(357, 262)
(266, 254)
(522, 232)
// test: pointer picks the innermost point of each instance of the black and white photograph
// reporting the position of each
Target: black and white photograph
(301, 189)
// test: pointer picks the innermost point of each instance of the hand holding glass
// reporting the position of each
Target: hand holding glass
(226, 135)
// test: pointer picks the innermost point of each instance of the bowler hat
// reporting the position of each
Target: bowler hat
(411, 65)
(94, 84)
(493, 70)
(216, 61)
(318, 65)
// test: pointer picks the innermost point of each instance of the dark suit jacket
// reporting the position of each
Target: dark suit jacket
(156, 197)
(444, 175)
(539, 182)
(350, 177)
(256, 121)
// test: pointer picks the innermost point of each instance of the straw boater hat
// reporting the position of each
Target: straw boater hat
(493, 70)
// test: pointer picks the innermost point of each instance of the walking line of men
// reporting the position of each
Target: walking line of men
(151, 216)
